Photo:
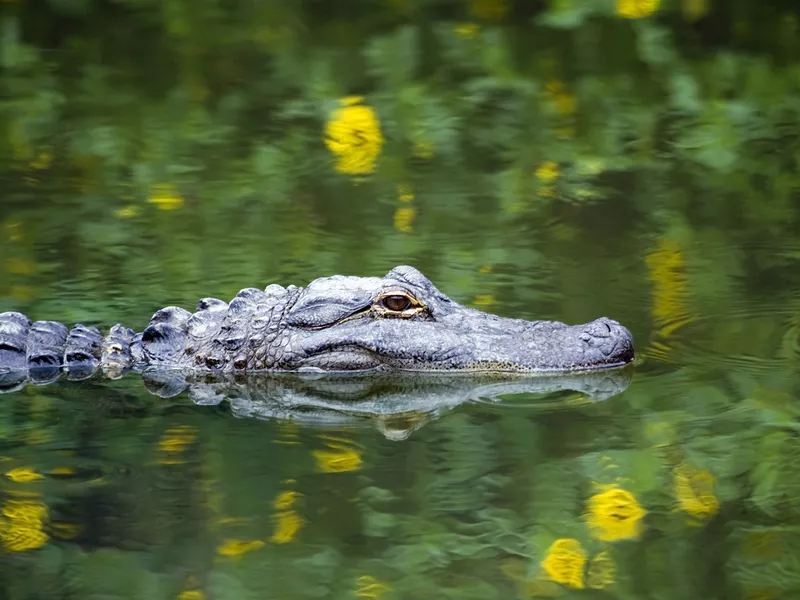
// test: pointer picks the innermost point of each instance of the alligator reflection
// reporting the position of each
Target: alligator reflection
(397, 404)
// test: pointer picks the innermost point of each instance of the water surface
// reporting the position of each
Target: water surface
(631, 161)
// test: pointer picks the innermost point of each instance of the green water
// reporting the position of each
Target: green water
(548, 161)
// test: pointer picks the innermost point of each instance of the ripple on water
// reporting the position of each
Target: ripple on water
(750, 337)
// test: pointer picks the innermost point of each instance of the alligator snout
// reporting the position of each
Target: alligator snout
(608, 338)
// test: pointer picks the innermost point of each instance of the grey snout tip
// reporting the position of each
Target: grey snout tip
(612, 339)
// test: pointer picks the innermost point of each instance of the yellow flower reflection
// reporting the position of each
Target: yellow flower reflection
(285, 500)
(287, 525)
(235, 548)
(62, 471)
(23, 475)
(288, 522)
(614, 514)
(23, 528)
(694, 491)
(602, 571)
(127, 212)
(637, 9)
(548, 171)
(370, 587)
(565, 561)
(343, 456)
(174, 443)
(467, 30)
(405, 193)
(405, 213)
(165, 197)
(403, 219)
(670, 286)
(353, 135)
(20, 539)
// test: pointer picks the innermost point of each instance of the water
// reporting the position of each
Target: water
(191, 154)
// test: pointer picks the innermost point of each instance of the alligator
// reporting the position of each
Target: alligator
(400, 322)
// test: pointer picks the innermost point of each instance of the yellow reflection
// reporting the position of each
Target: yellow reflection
(637, 9)
(192, 595)
(288, 522)
(62, 471)
(22, 525)
(614, 514)
(285, 500)
(368, 586)
(127, 212)
(548, 171)
(23, 475)
(404, 218)
(405, 193)
(235, 548)
(287, 525)
(694, 490)
(565, 561)
(20, 539)
(602, 571)
(353, 135)
(670, 287)
(342, 456)
(174, 443)
(467, 30)
(484, 300)
(165, 197)
(27, 511)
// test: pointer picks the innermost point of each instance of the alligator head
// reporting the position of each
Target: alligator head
(403, 322)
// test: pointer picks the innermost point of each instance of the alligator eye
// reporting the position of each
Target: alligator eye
(397, 302)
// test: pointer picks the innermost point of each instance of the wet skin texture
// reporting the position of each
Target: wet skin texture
(398, 322)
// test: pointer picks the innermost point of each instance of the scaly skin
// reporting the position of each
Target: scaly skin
(400, 322)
